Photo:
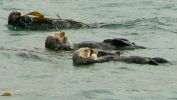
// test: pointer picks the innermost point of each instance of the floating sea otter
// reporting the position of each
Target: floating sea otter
(84, 56)
(39, 22)
(58, 41)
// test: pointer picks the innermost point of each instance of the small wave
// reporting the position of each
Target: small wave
(96, 93)
(125, 68)
(11, 9)
(155, 22)
(116, 26)
(30, 56)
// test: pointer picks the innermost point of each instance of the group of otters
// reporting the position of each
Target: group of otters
(84, 51)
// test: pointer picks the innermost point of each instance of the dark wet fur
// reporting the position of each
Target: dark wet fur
(141, 60)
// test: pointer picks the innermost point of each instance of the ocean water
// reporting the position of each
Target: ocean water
(30, 72)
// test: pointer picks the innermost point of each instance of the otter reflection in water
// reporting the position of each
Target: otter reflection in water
(61, 41)
(84, 56)
(39, 22)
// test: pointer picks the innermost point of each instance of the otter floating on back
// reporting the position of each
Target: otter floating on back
(39, 22)
(60, 41)
(84, 56)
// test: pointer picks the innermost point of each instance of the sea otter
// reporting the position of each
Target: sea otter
(39, 22)
(60, 41)
(84, 56)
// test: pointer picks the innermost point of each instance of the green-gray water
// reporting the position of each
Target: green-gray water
(46, 75)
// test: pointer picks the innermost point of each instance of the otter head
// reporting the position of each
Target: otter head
(58, 41)
(86, 52)
(13, 16)
(84, 55)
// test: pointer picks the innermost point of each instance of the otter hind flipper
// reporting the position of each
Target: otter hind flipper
(160, 60)
(107, 40)
(118, 42)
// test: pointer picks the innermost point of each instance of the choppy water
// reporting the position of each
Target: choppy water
(46, 75)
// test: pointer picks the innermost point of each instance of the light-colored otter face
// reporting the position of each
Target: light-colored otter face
(58, 40)
(59, 37)
(86, 53)
(83, 54)
(13, 16)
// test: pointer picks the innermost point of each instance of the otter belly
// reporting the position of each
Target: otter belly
(55, 24)
(65, 23)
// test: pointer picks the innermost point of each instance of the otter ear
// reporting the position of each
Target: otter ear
(152, 62)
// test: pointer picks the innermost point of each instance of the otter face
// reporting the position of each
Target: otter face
(58, 40)
(13, 16)
(60, 37)
(84, 55)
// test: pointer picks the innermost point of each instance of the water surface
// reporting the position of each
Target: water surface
(38, 74)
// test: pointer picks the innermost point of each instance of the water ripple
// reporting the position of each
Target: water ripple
(97, 93)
